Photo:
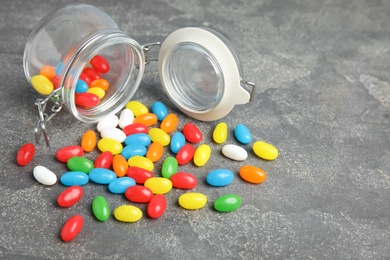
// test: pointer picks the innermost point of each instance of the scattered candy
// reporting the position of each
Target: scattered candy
(184, 180)
(147, 119)
(169, 123)
(242, 134)
(219, 177)
(137, 108)
(139, 194)
(252, 174)
(126, 118)
(158, 185)
(67, 152)
(133, 150)
(135, 128)
(104, 160)
(80, 164)
(70, 196)
(220, 133)
(25, 154)
(185, 154)
(102, 175)
(111, 145)
(234, 152)
(88, 141)
(44, 175)
(113, 133)
(119, 165)
(192, 200)
(169, 167)
(202, 155)
(140, 175)
(157, 206)
(100, 208)
(158, 135)
(141, 162)
(192, 133)
(127, 213)
(74, 178)
(120, 185)
(177, 142)
(160, 110)
(140, 138)
(72, 228)
(110, 121)
(227, 203)
(155, 151)
(265, 150)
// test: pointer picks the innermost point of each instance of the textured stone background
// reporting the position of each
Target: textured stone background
(323, 98)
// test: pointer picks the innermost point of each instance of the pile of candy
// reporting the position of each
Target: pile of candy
(130, 145)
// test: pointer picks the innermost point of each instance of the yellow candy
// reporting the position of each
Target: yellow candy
(108, 144)
(220, 133)
(202, 155)
(192, 200)
(137, 108)
(158, 135)
(141, 162)
(265, 150)
(97, 91)
(158, 185)
(127, 213)
(42, 84)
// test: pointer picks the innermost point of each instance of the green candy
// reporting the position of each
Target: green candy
(100, 208)
(169, 167)
(227, 203)
(80, 164)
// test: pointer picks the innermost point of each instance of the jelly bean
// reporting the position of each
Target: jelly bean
(70, 196)
(202, 155)
(242, 134)
(169, 123)
(234, 152)
(252, 174)
(137, 108)
(80, 164)
(141, 138)
(72, 228)
(109, 121)
(100, 83)
(81, 86)
(120, 185)
(140, 175)
(192, 200)
(155, 151)
(97, 91)
(184, 180)
(158, 185)
(127, 213)
(86, 99)
(104, 160)
(85, 78)
(119, 165)
(59, 68)
(139, 194)
(56, 80)
(111, 145)
(47, 71)
(42, 84)
(102, 175)
(100, 208)
(100, 64)
(126, 118)
(169, 167)
(265, 150)
(141, 162)
(74, 178)
(160, 110)
(44, 176)
(177, 142)
(92, 74)
(113, 133)
(185, 154)
(220, 133)
(88, 140)
(227, 203)
(158, 135)
(219, 177)
(67, 152)
(25, 154)
(147, 119)
(192, 133)
(135, 128)
(133, 150)
(157, 206)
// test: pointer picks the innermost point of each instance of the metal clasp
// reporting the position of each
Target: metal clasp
(252, 85)
(147, 47)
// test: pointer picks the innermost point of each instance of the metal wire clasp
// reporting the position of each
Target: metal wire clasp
(147, 47)
(43, 117)
(252, 85)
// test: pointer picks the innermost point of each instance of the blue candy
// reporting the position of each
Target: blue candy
(141, 138)
(133, 150)
(160, 110)
(74, 178)
(81, 86)
(178, 141)
(102, 175)
(242, 134)
(120, 185)
(219, 177)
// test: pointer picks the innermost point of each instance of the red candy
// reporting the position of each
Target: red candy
(157, 206)
(192, 133)
(72, 228)
(92, 74)
(140, 175)
(185, 154)
(86, 99)
(70, 196)
(100, 64)
(67, 152)
(104, 160)
(56, 81)
(184, 180)
(135, 128)
(25, 154)
(139, 194)
(85, 78)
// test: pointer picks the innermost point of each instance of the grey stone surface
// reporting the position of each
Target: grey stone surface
(323, 99)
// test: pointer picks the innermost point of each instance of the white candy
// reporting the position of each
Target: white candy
(110, 121)
(114, 133)
(126, 118)
(44, 175)
(234, 152)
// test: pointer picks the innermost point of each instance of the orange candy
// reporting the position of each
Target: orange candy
(155, 151)
(88, 141)
(48, 71)
(119, 165)
(147, 119)
(169, 123)
(100, 83)
(252, 174)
